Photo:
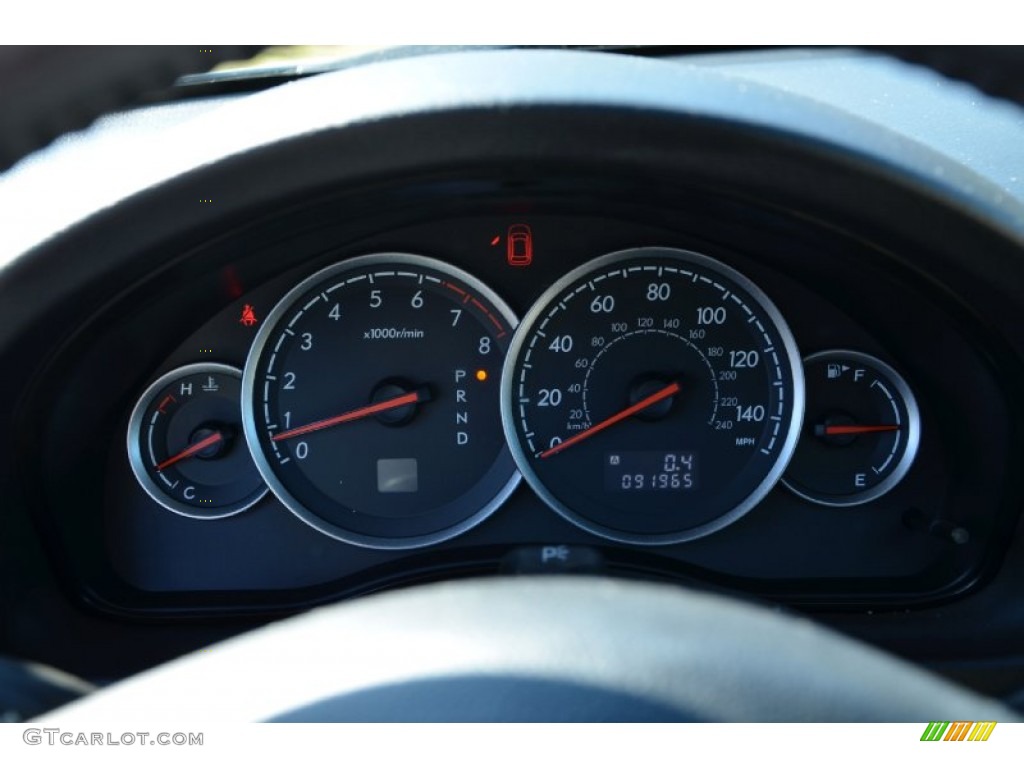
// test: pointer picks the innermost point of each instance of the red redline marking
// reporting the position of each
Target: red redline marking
(455, 288)
(163, 403)
(468, 297)
(490, 317)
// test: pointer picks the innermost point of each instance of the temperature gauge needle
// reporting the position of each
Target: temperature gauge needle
(821, 430)
(192, 450)
(420, 395)
(625, 413)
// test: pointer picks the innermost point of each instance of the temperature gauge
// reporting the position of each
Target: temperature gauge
(861, 430)
(186, 447)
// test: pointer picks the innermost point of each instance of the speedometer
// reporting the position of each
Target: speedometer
(652, 396)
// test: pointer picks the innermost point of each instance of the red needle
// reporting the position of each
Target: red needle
(359, 413)
(192, 450)
(648, 401)
(855, 429)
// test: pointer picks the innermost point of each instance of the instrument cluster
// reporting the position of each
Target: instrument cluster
(511, 393)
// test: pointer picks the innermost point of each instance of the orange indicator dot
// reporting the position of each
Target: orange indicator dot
(481, 375)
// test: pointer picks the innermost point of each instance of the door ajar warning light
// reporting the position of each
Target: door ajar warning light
(519, 246)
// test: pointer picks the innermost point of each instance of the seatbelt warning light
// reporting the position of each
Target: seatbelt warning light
(248, 318)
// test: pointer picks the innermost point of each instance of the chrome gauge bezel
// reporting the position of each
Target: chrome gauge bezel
(252, 428)
(913, 431)
(790, 430)
(138, 463)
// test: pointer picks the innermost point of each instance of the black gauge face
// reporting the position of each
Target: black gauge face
(371, 401)
(652, 396)
(860, 434)
(186, 447)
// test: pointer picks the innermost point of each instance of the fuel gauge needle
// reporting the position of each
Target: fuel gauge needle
(625, 413)
(192, 450)
(821, 430)
(420, 395)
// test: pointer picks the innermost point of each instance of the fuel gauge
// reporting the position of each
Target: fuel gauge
(186, 447)
(861, 430)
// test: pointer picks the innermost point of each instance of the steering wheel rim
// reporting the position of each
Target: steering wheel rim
(539, 649)
(52, 90)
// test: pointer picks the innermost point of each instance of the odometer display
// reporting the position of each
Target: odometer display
(650, 471)
(371, 401)
(647, 356)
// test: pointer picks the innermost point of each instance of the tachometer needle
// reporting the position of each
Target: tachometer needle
(192, 450)
(417, 396)
(625, 413)
(822, 430)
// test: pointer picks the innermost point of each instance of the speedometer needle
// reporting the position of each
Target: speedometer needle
(417, 396)
(853, 429)
(625, 413)
(192, 450)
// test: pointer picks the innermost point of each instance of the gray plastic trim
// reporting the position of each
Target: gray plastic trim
(495, 79)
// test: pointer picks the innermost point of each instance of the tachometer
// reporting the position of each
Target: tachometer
(652, 396)
(370, 401)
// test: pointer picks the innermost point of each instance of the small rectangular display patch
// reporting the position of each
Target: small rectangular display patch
(397, 476)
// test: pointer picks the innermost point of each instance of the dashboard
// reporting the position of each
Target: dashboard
(679, 347)
(298, 546)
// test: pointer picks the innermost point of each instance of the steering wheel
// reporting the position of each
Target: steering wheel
(538, 649)
(528, 648)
